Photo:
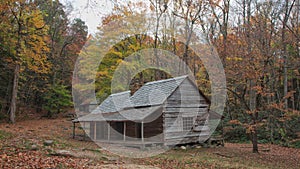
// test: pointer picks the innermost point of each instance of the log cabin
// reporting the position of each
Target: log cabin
(165, 112)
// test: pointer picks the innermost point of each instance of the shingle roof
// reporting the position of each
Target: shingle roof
(152, 93)
(138, 114)
(120, 106)
(113, 103)
(155, 93)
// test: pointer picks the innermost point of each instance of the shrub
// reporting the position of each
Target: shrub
(236, 134)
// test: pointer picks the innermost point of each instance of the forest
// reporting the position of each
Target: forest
(258, 43)
(39, 47)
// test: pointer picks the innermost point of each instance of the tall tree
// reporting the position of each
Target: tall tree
(67, 38)
(27, 38)
(192, 13)
(288, 6)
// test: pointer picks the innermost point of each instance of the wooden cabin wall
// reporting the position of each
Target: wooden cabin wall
(185, 102)
(101, 130)
(117, 130)
(153, 131)
(92, 130)
(131, 131)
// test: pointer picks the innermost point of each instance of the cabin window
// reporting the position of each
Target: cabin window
(173, 124)
(199, 124)
(188, 123)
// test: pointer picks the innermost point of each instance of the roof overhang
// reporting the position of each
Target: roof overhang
(132, 114)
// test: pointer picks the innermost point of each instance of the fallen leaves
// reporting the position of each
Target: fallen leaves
(16, 152)
(12, 157)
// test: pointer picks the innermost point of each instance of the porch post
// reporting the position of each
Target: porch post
(74, 125)
(124, 132)
(142, 131)
(95, 126)
(84, 131)
(108, 130)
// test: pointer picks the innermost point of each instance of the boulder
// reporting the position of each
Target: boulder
(34, 147)
(48, 142)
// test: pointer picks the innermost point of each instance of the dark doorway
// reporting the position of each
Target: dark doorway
(120, 127)
(118, 130)
(138, 127)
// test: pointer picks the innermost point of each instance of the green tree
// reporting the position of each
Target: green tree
(66, 41)
(56, 98)
(26, 41)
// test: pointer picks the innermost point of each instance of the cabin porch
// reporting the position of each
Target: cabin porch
(128, 133)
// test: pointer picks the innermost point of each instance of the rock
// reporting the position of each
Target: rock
(198, 147)
(48, 142)
(183, 148)
(34, 147)
(64, 153)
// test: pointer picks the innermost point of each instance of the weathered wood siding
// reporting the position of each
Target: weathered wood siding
(117, 130)
(131, 130)
(101, 130)
(153, 131)
(185, 102)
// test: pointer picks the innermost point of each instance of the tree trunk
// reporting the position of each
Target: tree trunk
(285, 81)
(252, 82)
(252, 106)
(14, 94)
(288, 10)
(254, 141)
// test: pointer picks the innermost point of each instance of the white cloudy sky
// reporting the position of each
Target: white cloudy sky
(90, 11)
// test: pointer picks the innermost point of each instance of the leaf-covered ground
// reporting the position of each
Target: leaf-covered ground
(22, 146)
